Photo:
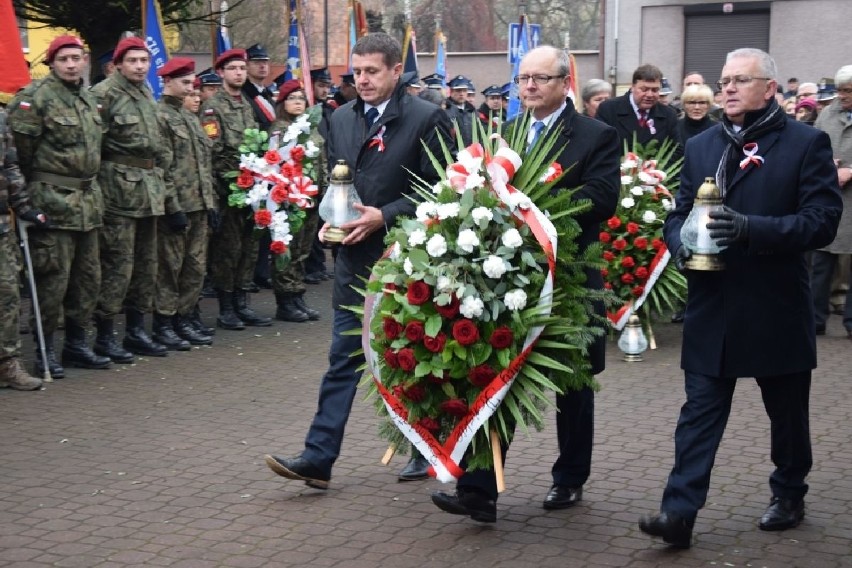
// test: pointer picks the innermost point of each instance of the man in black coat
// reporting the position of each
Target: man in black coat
(639, 111)
(754, 318)
(379, 137)
(258, 95)
(461, 112)
(591, 158)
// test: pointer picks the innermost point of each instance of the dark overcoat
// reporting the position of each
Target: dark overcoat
(619, 113)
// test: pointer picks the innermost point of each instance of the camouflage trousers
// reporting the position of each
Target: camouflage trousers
(67, 270)
(10, 296)
(291, 278)
(128, 264)
(233, 250)
(182, 263)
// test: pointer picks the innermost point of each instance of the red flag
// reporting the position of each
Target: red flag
(15, 73)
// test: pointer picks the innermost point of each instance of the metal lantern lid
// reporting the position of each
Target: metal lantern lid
(708, 193)
(341, 173)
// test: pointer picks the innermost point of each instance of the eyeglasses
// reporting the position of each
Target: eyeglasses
(739, 81)
(699, 103)
(299, 98)
(539, 80)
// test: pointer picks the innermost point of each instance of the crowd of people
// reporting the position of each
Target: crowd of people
(123, 198)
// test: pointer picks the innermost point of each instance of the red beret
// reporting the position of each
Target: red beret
(126, 45)
(229, 55)
(177, 67)
(287, 87)
(59, 43)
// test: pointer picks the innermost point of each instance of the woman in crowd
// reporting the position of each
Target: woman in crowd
(697, 100)
(806, 111)
(595, 91)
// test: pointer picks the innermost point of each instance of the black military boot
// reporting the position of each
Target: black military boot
(288, 310)
(107, 345)
(56, 370)
(186, 331)
(227, 317)
(76, 351)
(299, 300)
(247, 314)
(195, 320)
(136, 339)
(164, 333)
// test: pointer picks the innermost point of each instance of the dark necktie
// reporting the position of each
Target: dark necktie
(643, 118)
(538, 128)
(370, 117)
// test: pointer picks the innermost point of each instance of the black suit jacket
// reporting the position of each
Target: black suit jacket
(251, 92)
(618, 113)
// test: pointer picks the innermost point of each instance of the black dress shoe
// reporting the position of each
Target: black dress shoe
(562, 497)
(469, 503)
(820, 330)
(416, 469)
(782, 514)
(313, 278)
(671, 527)
(300, 469)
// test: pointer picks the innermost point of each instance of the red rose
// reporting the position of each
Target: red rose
(501, 338)
(262, 217)
(430, 378)
(481, 375)
(279, 193)
(450, 310)
(641, 273)
(638, 291)
(640, 243)
(419, 293)
(398, 391)
(632, 228)
(455, 407)
(465, 332)
(392, 328)
(619, 244)
(607, 285)
(272, 157)
(608, 256)
(415, 331)
(297, 153)
(605, 237)
(628, 262)
(435, 344)
(277, 247)
(245, 180)
(429, 424)
(415, 393)
(613, 222)
(288, 171)
(627, 278)
(657, 244)
(406, 359)
(604, 272)
(391, 359)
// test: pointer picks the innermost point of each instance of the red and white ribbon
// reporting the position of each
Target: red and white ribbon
(751, 157)
(619, 318)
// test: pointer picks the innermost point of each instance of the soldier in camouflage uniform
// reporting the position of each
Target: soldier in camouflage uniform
(12, 193)
(224, 118)
(58, 132)
(182, 256)
(131, 177)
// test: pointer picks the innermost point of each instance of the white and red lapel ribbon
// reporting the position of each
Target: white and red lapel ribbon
(751, 156)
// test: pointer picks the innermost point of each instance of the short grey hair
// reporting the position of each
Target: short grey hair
(594, 87)
(562, 66)
(767, 65)
(844, 76)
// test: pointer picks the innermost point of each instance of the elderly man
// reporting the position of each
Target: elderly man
(755, 317)
(836, 120)
(807, 91)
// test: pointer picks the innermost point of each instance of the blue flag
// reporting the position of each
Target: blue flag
(294, 59)
(514, 93)
(441, 58)
(223, 41)
(152, 24)
(409, 51)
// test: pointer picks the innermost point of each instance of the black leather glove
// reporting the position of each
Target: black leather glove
(214, 220)
(728, 226)
(682, 254)
(37, 218)
(177, 222)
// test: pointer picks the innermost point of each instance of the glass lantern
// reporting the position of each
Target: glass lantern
(694, 233)
(633, 341)
(337, 206)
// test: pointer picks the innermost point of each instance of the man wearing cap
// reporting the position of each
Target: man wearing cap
(107, 67)
(131, 176)
(665, 91)
(224, 118)
(209, 83)
(258, 95)
(490, 112)
(412, 83)
(58, 133)
(347, 91)
(182, 254)
(315, 268)
(434, 81)
(460, 111)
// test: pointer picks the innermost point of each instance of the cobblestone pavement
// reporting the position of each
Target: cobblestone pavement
(160, 463)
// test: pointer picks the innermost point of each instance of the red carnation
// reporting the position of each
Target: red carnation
(392, 328)
(419, 293)
(450, 310)
(640, 243)
(272, 157)
(641, 273)
(391, 359)
(435, 344)
(627, 278)
(604, 272)
(657, 244)
(632, 228)
(628, 262)
(619, 244)
(277, 247)
(605, 237)
(415, 393)
(429, 424)
(297, 153)
(279, 193)
(465, 332)
(607, 285)
(501, 338)
(263, 217)
(481, 375)
(613, 222)
(608, 256)
(638, 291)
(245, 180)
(406, 359)
(455, 407)
(415, 331)
(288, 171)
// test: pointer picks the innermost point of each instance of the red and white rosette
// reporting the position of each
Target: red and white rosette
(445, 457)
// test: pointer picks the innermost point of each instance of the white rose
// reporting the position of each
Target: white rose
(512, 238)
(636, 190)
(667, 204)
(425, 211)
(448, 210)
(407, 266)
(471, 307)
(436, 246)
(467, 240)
(628, 202)
(515, 300)
(626, 180)
(480, 213)
(494, 266)
(417, 237)
(649, 216)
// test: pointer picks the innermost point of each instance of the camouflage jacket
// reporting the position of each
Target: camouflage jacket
(58, 132)
(132, 134)
(13, 191)
(224, 120)
(187, 163)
